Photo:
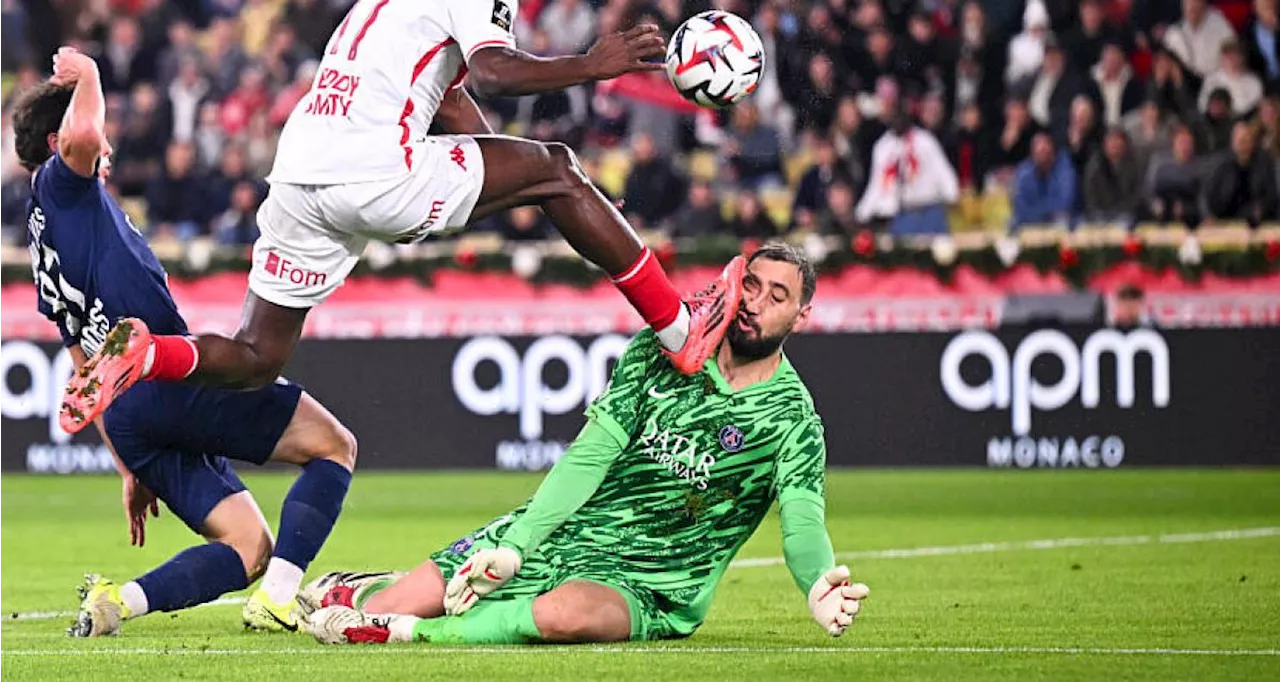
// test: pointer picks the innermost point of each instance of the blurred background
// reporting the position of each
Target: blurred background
(967, 173)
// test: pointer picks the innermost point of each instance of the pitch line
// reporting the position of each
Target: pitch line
(909, 553)
(540, 650)
(1053, 543)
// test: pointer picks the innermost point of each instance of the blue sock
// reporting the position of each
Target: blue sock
(310, 510)
(194, 576)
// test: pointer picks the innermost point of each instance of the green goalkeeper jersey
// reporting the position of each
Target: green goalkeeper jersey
(699, 467)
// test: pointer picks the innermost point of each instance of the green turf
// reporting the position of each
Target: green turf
(1221, 596)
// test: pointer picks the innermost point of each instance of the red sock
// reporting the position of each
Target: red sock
(174, 358)
(649, 291)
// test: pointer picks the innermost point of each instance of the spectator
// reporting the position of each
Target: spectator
(1197, 39)
(209, 137)
(1151, 19)
(700, 216)
(812, 191)
(239, 223)
(222, 182)
(14, 45)
(1245, 88)
(816, 102)
(1243, 185)
(1086, 42)
(974, 150)
(933, 118)
(1044, 188)
(186, 94)
(525, 224)
(1083, 138)
(124, 62)
(257, 23)
(752, 149)
(260, 145)
(853, 139)
(1174, 182)
(911, 181)
(1118, 92)
(182, 46)
(983, 59)
(312, 22)
(840, 216)
(770, 95)
(290, 95)
(653, 189)
(282, 56)
(750, 221)
(1215, 126)
(1268, 123)
(176, 202)
(1170, 87)
(1129, 308)
(141, 145)
(1112, 182)
(1026, 52)
(247, 99)
(1261, 38)
(1014, 144)
(1051, 90)
(928, 59)
(223, 55)
(1148, 133)
(570, 24)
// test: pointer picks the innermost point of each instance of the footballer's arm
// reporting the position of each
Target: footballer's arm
(81, 142)
(458, 114)
(508, 72)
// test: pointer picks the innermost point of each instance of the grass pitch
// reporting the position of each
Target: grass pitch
(1168, 574)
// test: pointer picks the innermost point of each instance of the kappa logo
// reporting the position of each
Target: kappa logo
(458, 156)
(732, 438)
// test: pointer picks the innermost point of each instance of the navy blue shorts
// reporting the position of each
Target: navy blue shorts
(177, 439)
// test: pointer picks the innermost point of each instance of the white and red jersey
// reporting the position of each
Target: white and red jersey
(384, 72)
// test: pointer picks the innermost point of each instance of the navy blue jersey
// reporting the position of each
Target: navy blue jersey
(91, 266)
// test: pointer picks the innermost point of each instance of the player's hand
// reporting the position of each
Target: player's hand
(138, 500)
(834, 602)
(619, 53)
(70, 65)
(484, 572)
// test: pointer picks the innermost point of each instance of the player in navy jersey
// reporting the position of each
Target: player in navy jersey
(171, 441)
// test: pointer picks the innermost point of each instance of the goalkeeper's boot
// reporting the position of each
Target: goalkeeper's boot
(342, 625)
(264, 615)
(711, 311)
(111, 371)
(101, 609)
(344, 588)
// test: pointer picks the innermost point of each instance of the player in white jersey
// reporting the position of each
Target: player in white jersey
(355, 163)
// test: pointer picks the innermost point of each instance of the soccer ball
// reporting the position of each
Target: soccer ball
(715, 59)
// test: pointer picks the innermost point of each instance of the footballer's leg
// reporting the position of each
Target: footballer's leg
(579, 611)
(206, 494)
(325, 451)
(524, 172)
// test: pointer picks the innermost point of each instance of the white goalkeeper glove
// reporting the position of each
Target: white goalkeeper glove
(834, 602)
(484, 572)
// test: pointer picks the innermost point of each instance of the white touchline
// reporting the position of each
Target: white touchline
(542, 650)
(913, 552)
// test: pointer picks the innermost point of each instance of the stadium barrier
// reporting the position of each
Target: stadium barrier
(1011, 398)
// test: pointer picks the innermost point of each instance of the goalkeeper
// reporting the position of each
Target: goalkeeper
(630, 533)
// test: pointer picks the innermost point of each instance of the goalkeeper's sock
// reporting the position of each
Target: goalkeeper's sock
(193, 576)
(309, 512)
(496, 622)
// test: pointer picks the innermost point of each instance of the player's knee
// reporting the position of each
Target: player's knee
(585, 623)
(343, 447)
(565, 166)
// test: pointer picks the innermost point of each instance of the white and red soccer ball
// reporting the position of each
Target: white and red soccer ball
(715, 59)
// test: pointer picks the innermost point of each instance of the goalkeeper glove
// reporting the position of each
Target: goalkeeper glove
(484, 572)
(834, 602)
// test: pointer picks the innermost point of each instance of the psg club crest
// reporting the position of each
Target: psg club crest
(732, 439)
(462, 545)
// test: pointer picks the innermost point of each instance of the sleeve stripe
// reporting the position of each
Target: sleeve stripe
(488, 43)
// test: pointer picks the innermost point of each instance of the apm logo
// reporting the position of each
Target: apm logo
(1012, 386)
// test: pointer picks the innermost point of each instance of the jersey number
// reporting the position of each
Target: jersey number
(364, 28)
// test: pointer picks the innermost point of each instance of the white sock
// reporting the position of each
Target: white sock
(675, 334)
(134, 598)
(401, 628)
(150, 360)
(282, 580)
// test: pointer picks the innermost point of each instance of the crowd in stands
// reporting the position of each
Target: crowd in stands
(907, 116)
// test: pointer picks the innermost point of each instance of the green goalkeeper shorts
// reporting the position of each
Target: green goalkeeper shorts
(552, 566)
